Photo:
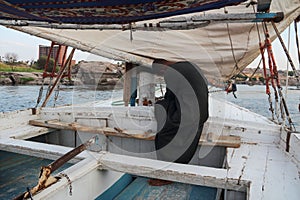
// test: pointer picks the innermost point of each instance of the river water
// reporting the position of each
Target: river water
(250, 97)
(255, 99)
(22, 97)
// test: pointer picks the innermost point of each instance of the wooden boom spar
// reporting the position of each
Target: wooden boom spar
(45, 179)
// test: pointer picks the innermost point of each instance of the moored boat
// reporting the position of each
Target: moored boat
(241, 155)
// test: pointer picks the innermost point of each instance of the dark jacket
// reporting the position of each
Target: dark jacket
(182, 112)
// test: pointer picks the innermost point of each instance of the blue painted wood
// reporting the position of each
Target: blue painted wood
(116, 188)
(140, 189)
(277, 17)
(17, 172)
(263, 5)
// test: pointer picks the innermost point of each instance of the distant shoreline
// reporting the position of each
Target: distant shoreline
(103, 80)
(36, 78)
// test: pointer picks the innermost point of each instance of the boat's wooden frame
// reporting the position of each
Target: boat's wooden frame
(248, 170)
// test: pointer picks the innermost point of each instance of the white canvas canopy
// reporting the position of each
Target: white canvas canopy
(221, 50)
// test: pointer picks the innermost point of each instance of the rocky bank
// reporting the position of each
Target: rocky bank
(85, 73)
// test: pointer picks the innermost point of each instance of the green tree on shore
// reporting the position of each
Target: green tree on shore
(41, 62)
(291, 73)
(262, 79)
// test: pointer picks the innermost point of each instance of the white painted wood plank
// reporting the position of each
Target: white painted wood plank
(281, 175)
(255, 168)
(236, 160)
(295, 146)
(48, 151)
(24, 132)
(198, 175)
(268, 169)
(14, 119)
(86, 180)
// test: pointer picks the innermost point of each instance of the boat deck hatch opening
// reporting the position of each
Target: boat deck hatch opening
(131, 142)
(206, 155)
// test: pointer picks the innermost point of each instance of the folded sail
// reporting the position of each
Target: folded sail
(104, 11)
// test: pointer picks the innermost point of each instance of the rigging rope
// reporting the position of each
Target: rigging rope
(292, 127)
(57, 89)
(274, 79)
(53, 74)
(259, 38)
(231, 87)
(56, 94)
(287, 63)
(297, 40)
(49, 85)
(44, 76)
(273, 70)
(267, 78)
(40, 94)
(298, 50)
(250, 77)
(286, 51)
(231, 47)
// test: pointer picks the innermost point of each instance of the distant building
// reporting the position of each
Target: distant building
(44, 51)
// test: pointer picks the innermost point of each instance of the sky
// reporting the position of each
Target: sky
(26, 47)
(289, 39)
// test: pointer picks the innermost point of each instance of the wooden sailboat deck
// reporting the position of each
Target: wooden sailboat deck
(258, 167)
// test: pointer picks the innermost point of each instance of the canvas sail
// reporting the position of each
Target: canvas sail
(221, 50)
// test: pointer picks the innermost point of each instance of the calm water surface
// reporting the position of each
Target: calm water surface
(22, 97)
(255, 99)
(250, 97)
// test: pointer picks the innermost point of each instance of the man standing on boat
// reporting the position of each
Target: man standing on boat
(182, 112)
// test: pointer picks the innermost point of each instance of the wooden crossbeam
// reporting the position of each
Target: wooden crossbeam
(190, 174)
(104, 130)
(206, 139)
(175, 23)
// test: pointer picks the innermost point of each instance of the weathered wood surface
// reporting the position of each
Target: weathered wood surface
(103, 130)
(206, 139)
(15, 125)
(36, 149)
(24, 132)
(80, 174)
(191, 174)
(269, 169)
